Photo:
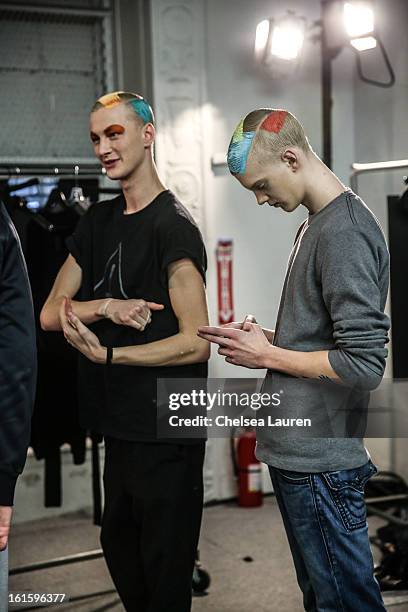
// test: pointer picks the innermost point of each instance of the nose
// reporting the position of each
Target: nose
(104, 146)
(261, 198)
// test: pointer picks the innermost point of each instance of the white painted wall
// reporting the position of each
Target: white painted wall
(76, 488)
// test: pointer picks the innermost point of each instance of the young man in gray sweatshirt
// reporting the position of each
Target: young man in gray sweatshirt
(327, 352)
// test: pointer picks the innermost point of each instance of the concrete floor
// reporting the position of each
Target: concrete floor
(245, 551)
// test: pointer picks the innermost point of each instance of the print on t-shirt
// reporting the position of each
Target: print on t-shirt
(112, 273)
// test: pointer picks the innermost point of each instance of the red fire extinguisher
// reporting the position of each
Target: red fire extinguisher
(249, 471)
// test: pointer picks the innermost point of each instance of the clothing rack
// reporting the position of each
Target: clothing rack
(75, 170)
(67, 168)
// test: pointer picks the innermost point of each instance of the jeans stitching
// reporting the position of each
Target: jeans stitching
(346, 515)
(294, 481)
(331, 559)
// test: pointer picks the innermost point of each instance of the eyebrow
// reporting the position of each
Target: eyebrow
(257, 183)
(115, 127)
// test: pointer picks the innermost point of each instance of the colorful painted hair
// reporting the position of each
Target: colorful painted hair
(141, 107)
(267, 130)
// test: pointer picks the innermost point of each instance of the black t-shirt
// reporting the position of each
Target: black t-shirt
(124, 257)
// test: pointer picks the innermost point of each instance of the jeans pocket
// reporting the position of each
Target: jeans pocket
(347, 491)
(297, 478)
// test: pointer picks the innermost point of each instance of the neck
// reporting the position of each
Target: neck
(322, 187)
(142, 187)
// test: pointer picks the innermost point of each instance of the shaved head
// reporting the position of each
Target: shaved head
(264, 134)
(137, 105)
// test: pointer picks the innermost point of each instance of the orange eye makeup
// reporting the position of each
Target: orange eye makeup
(111, 130)
(114, 129)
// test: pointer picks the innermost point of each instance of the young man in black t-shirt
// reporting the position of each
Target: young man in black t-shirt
(139, 263)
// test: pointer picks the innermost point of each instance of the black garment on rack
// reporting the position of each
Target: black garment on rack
(55, 419)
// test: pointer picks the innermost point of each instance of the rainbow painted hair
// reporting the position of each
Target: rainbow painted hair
(141, 107)
(266, 129)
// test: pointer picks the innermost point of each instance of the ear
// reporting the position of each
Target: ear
(291, 158)
(149, 134)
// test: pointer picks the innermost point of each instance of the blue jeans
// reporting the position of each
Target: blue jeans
(325, 521)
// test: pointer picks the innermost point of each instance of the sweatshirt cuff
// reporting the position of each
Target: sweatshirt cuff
(337, 363)
(367, 381)
(7, 487)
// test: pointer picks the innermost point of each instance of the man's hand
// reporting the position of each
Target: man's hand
(79, 336)
(269, 333)
(134, 313)
(247, 347)
(5, 521)
(240, 324)
(188, 301)
(250, 347)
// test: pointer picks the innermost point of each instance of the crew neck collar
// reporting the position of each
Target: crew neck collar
(143, 210)
(329, 206)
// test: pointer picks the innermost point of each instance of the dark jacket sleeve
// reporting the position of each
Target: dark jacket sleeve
(17, 359)
(354, 276)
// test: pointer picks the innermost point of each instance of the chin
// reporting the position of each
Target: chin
(114, 175)
(291, 207)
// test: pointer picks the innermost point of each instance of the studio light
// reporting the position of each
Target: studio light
(279, 43)
(358, 18)
(364, 43)
(287, 38)
(282, 39)
(261, 38)
(359, 23)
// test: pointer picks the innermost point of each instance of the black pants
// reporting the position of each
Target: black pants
(151, 522)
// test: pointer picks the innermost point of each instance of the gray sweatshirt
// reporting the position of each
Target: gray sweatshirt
(333, 299)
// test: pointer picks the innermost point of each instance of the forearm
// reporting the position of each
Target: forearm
(301, 364)
(180, 349)
(87, 312)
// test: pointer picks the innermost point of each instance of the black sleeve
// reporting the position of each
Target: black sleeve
(17, 359)
(181, 240)
(79, 242)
